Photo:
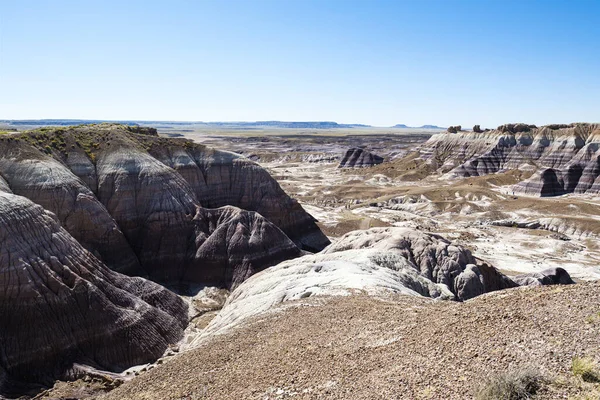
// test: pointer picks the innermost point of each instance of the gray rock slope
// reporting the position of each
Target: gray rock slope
(378, 260)
(61, 308)
(136, 201)
(566, 158)
(431, 257)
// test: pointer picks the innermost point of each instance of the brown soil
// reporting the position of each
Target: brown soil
(85, 388)
(349, 225)
(360, 347)
(409, 168)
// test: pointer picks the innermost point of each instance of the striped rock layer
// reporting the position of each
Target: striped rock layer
(88, 213)
(62, 309)
(359, 158)
(566, 158)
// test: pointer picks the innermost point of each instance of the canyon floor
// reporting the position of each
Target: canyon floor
(401, 193)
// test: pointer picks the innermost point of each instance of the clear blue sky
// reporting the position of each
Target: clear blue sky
(373, 62)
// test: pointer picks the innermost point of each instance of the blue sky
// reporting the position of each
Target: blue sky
(372, 62)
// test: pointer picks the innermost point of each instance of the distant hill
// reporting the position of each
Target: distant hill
(294, 125)
(402, 126)
(238, 125)
(63, 122)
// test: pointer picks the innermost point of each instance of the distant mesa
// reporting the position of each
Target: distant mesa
(301, 125)
(232, 125)
(201, 124)
(402, 126)
(431, 127)
(282, 124)
(359, 158)
(63, 122)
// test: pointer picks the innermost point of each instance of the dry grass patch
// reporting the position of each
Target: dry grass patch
(513, 385)
(585, 368)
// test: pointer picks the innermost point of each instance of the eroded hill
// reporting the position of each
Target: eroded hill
(82, 209)
(564, 158)
(131, 197)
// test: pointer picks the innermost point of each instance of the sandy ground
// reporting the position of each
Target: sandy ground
(399, 347)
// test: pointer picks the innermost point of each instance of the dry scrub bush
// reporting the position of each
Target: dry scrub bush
(513, 385)
(585, 368)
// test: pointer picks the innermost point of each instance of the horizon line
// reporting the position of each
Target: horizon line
(91, 120)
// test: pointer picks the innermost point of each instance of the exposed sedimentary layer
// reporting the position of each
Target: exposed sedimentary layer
(431, 256)
(133, 199)
(233, 244)
(79, 205)
(219, 178)
(566, 158)
(359, 158)
(61, 307)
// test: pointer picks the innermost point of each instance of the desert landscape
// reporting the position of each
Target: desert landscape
(328, 262)
(300, 199)
(514, 225)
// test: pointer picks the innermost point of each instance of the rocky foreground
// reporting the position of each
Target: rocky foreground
(400, 268)
(378, 260)
(404, 347)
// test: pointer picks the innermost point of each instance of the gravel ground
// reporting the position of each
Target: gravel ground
(400, 347)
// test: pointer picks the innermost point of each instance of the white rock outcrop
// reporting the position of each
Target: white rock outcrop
(377, 261)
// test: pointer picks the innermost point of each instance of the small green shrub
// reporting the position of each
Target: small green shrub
(512, 385)
(585, 368)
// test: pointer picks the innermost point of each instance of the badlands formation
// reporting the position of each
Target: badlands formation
(359, 158)
(140, 266)
(475, 189)
(85, 209)
(564, 157)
